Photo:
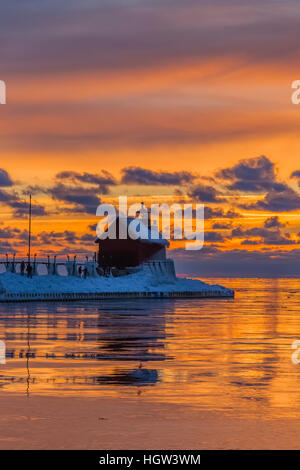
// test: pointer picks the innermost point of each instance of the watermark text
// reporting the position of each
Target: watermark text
(180, 222)
(2, 92)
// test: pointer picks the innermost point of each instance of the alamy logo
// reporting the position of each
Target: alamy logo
(296, 353)
(2, 352)
(296, 94)
(2, 92)
(180, 222)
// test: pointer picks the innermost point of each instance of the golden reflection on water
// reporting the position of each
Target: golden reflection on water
(224, 354)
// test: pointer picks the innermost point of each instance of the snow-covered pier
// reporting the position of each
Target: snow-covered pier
(156, 280)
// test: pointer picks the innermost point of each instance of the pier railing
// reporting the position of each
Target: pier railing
(159, 269)
(50, 265)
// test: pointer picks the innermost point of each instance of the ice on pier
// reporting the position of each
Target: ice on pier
(142, 281)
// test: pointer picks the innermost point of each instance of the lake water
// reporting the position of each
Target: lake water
(216, 354)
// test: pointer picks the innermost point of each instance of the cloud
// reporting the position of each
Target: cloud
(81, 191)
(82, 199)
(121, 133)
(103, 40)
(286, 200)
(142, 176)
(232, 214)
(87, 238)
(258, 232)
(6, 197)
(211, 261)
(103, 181)
(136, 34)
(34, 190)
(267, 236)
(273, 222)
(258, 175)
(16, 235)
(220, 226)
(276, 238)
(5, 179)
(56, 237)
(7, 232)
(20, 207)
(296, 174)
(216, 213)
(6, 247)
(64, 239)
(252, 175)
(213, 237)
(251, 242)
(92, 227)
(203, 193)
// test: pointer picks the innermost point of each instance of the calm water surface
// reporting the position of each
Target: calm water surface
(218, 354)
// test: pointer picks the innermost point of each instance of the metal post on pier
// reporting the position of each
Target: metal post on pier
(34, 271)
(74, 266)
(13, 266)
(29, 231)
(54, 271)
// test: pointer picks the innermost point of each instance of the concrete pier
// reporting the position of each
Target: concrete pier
(155, 279)
(79, 296)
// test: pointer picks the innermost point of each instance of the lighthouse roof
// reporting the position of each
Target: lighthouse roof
(147, 235)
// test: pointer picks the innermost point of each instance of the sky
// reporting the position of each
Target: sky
(161, 100)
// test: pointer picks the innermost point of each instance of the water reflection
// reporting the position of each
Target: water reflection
(229, 354)
(81, 334)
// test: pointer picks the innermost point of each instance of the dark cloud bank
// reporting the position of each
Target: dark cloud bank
(235, 263)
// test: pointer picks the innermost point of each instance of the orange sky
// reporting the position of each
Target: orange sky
(193, 88)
